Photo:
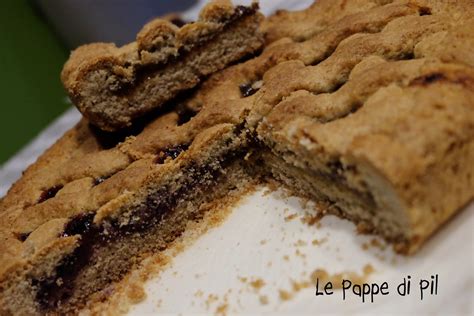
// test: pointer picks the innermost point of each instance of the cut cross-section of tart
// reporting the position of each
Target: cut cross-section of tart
(82, 236)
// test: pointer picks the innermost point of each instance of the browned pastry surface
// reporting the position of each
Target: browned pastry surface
(114, 86)
(386, 120)
(372, 112)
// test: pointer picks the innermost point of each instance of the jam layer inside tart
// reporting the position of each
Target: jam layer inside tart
(157, 208)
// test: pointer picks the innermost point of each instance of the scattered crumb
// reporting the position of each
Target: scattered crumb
(324, 276)
(312, 218)
(257, 284)
(317, 242)
(158, 304)
(285, 295)
(263, 299)
(263, 242)
(375, 242)
(290, 217)
(212, 298)
(222, 309)
(300, 243)
(368, 269)
(300, 254)
(337, 278)
(199, 293)
(269, 264)
(243, 279)
(286, 257)
(298, 286)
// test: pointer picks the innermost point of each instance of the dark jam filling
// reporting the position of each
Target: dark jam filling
(178, 21)
(425, 11)
(428, 79)
(185, 115)
(172, 153)
(56, 290)
(241, 11)
(22, 236)
(49, 193)
(108, 140)
(336, 176)
(99, 180)
(247, 90)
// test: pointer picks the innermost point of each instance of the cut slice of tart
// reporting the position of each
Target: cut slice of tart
(114, 86)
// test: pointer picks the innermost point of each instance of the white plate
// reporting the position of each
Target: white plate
(254, 240)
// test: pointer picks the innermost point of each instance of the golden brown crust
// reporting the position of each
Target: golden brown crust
(395, 102)
(304, 24)
(78, 154)
(370, 88)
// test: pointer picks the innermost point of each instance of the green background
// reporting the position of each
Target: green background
(31, 59)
